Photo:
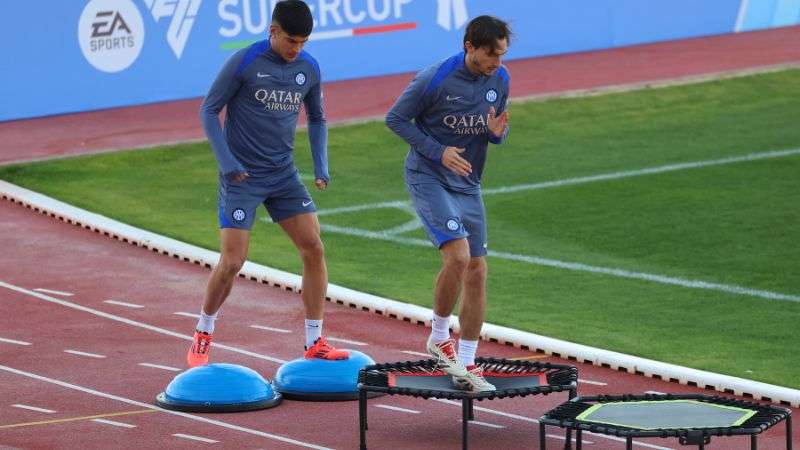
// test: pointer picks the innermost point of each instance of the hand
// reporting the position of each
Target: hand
(239, 177)
(451, 158)
(497, 124)
(321, 184)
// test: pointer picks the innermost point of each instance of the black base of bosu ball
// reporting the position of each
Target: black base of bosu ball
(424, 379)
(321, 380)
(218, 388)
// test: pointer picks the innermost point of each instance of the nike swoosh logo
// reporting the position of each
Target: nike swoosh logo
(263, 75)
(450, 98)
(307, 203)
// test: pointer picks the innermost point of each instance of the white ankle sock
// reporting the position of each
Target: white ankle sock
(313, 331)
(440, 329)
(466, 351)
(206, 322)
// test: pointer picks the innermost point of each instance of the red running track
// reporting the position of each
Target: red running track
(371, 97)
(42, 253)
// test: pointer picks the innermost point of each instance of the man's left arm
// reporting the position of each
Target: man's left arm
(317, 132)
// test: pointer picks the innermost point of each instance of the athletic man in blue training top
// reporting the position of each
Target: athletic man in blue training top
(457, 106)
(263, 87)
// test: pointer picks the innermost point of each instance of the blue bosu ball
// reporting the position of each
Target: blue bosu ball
(321, 380)
(218, 388)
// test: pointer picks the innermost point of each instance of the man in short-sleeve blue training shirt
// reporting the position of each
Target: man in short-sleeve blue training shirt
(458, 107)
(263, 87)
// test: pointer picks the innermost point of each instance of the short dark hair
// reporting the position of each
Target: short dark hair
(484, 31)
(294, 17)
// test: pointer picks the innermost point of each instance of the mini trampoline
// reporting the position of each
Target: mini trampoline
(424, 379)
(693, 419)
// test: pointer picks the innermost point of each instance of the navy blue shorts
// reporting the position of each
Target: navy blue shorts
(283, 199)
(447, 215)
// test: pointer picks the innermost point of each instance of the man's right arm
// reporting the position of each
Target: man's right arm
(411, 103)
(222, 90)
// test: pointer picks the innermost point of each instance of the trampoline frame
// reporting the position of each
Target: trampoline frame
(560, 378)
(565, 416)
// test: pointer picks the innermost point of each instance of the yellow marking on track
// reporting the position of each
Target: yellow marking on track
(74, 419)
(525, 358)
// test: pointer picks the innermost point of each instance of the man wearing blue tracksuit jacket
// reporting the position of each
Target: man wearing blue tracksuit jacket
(263, 87)
(458, 107)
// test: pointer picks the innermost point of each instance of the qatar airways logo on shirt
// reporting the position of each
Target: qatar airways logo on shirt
(466, 124)
(279, 100)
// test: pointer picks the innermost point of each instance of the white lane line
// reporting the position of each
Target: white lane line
(596, 383)
(218, 423)
(347, 341)
(395, 408)
(33, 408)
(411, 352)
(89, 355)
(655, 392)
(50, 291)
(12, 341)
(562, 438)
(483, 424)
(404, 204)
(126, 304)
(195, 438)
(579, 267)
(158, 366)
(134, 323)
(277, 330)
(185, 314)
(114, 423)
(531, 420)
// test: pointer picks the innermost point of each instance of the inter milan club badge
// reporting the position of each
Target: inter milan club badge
(300, 79)
(491, 95)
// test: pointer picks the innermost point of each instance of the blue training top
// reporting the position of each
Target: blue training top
(450, 107)
(263, 94)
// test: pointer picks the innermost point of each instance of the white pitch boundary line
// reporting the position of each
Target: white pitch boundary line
(133, 322)
(186, 314)
(88, 355)
(125, 304)
(484, 424)
(52, 292)
(218, 423)
(12, 341)
(195, 438)
(396, 408)
(34, 408)
(114, 423)
(159, 366)
(387, 307)
(580, 267)
(596, 383)
(404, 204)
(276, 330)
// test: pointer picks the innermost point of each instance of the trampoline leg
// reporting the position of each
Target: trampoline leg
(471, 410)
(789, 432)
(578, 440)
(629, 443)
(465, 408)
(542, 437)
(573, 393)
(568, 441)
(753, 442)
(362, 418)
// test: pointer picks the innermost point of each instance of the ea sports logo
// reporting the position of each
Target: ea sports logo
(453, 225)
(111, 34)
(491, 95)
(300, 79)
(238, 214)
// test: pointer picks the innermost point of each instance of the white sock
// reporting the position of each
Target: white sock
(206, 322)
(440, 329)
(313, 331)
(466, 351)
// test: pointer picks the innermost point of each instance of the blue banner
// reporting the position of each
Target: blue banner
(67, 56)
